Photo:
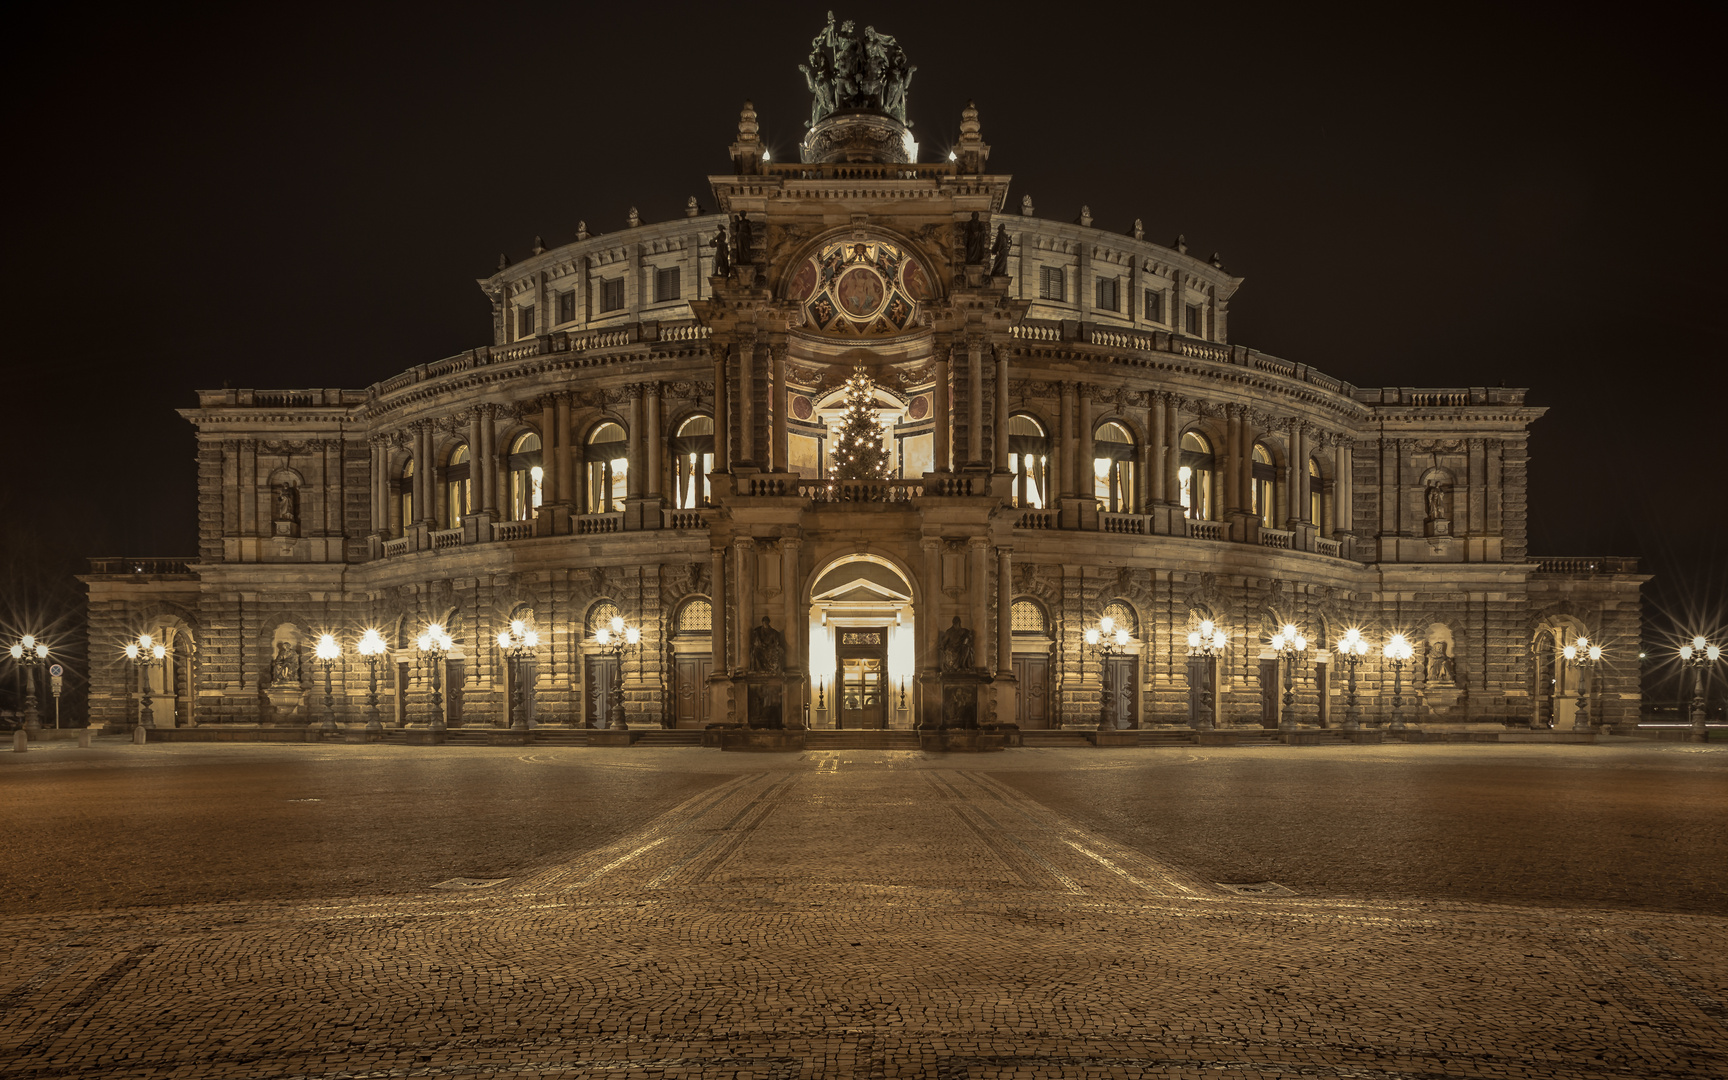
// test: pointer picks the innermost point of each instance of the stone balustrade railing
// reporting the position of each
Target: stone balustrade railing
(443, 539)
(1276, 538)
(140, 567)
(1205, 530)
(1332, 548)
(513, 530)
(1036, 519)
(402, 545)
(849, 171)
(594, 524)
(1584, 565)
(1130, 524)
(877, 491)
(682, 519)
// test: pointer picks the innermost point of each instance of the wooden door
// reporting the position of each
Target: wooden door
(1323, 688)
(399, 697)
(1199, 685)
(453, 687)
(601, 676)
(691, 689)
(1032, 691)
(1119, 691)
(1269, 693)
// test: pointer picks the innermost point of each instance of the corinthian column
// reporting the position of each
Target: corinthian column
(939, 398)
(746, 403)
(1001, 436)
(722, 415)
(975, 402)
(1004, 611)
(778, 373)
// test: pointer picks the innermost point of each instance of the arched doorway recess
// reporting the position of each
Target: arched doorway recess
(863, 652)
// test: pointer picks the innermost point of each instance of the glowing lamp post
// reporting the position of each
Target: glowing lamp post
(1583, 656)
(433, 644)
(1207, 643)
(1695, 654)
(144, 652)
(518, 644)
(27, 653)
(328, 652)
(1398, 651)
(615, 639)
(371, 648)
(1352, 647)
(1107, 640)
(1289, 644)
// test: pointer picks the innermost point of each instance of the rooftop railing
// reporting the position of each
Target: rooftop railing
(1586, 565)
(134, 566)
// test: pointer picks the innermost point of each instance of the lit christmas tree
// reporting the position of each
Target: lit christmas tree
(859, 453)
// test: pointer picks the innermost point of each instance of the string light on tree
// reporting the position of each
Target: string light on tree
(859, 453)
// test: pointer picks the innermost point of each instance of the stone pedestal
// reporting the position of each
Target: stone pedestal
(773, 702)
(287, 705)
(960, 701)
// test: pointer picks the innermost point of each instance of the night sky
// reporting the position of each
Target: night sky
(295, 196)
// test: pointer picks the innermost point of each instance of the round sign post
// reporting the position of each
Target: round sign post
(56, 673)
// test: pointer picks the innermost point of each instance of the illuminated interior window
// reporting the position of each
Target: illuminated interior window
(458, 488)
(696, 617)
(1316, 488)
(1026, 617)
(1195, 476)
(526, 473)
(1113, 467)
(692, 461)
(405, 498)
(608, 466)
(1122, 615)
(1262, 491)
(1028, 460)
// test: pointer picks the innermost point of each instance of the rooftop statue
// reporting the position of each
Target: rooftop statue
(849, 70)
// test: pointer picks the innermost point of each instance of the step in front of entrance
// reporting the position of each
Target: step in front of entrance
(878, 739)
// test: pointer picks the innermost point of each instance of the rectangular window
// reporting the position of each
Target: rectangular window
(525, 321)
(612, 294)
(1154, 306)
(1050, 283)
(567, 306)
(1194, 321)
(1106, 294)
(666, 285)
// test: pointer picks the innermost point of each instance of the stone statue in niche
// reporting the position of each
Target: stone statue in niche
(722, 254)
(975, 247)
(956, 649)
(1442, 668)
(1437, 497)
(767, 649)
(287, 515)
(285, 665)
(999, 253)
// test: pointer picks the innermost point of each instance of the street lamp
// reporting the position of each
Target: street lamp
(1695, 655)
(1397, 650)
(1206, 643)
(518, 644)
(371, 649)
(1583, 656)
(1289, 644)
(328, 652)
(433, 644)
(144, 652)
(27, 652)
(1107, 640)
(615, 639)
(1352, 647)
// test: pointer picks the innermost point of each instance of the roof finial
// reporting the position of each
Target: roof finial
(1182, 243)
(1026, 206)
(1139, 229)
(581, 230)
(634, 219)
(539, 245)
(691, 209)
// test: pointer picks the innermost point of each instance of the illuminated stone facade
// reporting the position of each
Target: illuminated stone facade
(1074, 435)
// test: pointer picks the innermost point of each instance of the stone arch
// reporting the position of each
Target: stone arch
(812, 248)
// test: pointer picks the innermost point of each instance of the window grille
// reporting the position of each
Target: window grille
(1025, 617)
(1123, 616)
(697, 617)
(666, 287)
(602, 614)
(612, 294)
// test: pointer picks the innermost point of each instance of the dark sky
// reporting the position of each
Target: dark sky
(293, 196)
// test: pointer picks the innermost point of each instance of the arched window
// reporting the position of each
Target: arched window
(1026, 617)
(526, 472)
(608, 466)
(458, 488)
(1121, 616)
(1195, 476)
(1316, 491)
(696, 617)
(602, 614)
(405, 498)
(1028, 460)
(1264, 478)
(1113, 464)
(692, 461)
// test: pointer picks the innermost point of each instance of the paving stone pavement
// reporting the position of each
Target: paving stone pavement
(872, 914)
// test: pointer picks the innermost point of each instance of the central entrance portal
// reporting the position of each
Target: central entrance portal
(863, 657)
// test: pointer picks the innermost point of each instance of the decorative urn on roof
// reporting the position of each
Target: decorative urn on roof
(859, 83)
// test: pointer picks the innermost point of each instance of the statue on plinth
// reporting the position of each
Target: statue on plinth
(285, 666)
(956, 649)
(999, 252)
(767, 649)
(287, 515)
(744, 230)
(722, 253)
(1437, 498)
(1442, 667)
(975, 245)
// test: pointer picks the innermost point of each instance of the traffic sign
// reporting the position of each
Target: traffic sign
(56, 670)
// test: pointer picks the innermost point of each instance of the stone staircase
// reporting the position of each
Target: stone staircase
(669, 737)
(889, 739)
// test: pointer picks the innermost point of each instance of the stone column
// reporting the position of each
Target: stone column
(722, 416)
(975, 402)
(746, 403)
(426, 470)
(554, 485)
(1083, 475)
(489, 440)
(932, 623)
(1001, 437)
(1233, 459)
(1346, 515)
(778, 373)
(979, 586)
(478, 459)
(790, 592)
(1245, 461)
(568, 464)
(633, 445)
(744, 592)
(943, 426)
(1298, 473)
(654, 444)
(717, 600)
(1005, 611)
(1172, 451)
(1065, 443)
(1474, 504)
(376, 470)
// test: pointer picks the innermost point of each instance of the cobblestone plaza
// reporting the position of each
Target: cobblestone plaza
(1355, 911)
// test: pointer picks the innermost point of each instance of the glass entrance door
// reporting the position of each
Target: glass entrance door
(863, 661)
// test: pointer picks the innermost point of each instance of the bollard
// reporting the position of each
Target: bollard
(20, 741)
(139, 734)
(84, 738)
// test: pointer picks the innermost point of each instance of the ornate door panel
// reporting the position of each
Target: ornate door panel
(1032, 691)
(1269, 693)
(454, 674)
(1120, 692)
(601, 673)
(691, 688)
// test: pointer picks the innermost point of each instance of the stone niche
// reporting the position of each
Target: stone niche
(1437, 674)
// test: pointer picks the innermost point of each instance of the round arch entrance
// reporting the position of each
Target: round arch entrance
(862, 646)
